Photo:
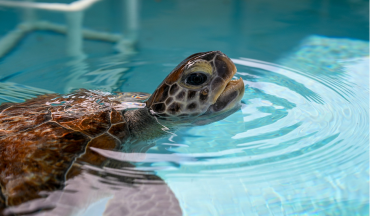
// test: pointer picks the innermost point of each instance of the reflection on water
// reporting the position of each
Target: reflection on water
(66, 75)
(120, 190)
(14, 92)
(299, 145)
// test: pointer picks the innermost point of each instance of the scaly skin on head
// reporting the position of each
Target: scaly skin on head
(198, 91)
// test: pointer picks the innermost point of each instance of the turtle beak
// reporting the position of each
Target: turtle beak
(233, 91)
(226, 104)
(230, 97)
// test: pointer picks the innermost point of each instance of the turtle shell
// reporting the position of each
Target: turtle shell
(42, 138)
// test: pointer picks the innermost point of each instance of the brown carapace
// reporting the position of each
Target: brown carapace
(43, 140)
(40, 140)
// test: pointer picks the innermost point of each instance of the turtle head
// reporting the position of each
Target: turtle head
(199, 90)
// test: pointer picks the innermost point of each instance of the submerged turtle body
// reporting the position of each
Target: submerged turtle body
(41, 138)
(44, 140)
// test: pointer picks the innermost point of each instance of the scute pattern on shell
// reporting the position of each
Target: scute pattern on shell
(41, 139)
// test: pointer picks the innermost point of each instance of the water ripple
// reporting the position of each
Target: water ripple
(299, 141)
(280, 127)
(301, 133)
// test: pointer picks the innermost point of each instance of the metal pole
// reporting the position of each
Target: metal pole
(132, 22)
(130, 28)
(74, 33)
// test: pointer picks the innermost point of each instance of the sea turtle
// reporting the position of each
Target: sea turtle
(44, 140)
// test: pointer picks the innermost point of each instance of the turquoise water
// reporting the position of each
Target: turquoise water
(298, 145)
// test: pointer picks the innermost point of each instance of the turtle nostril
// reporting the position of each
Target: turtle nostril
(204, 92)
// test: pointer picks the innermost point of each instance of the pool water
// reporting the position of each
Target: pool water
(299, 143)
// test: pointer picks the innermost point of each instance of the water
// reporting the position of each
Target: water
(299, 144)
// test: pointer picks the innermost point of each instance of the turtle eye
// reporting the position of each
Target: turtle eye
(196, 79)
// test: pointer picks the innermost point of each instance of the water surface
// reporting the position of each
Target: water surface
(298, 145)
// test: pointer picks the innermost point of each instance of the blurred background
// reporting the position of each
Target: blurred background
(168, 31)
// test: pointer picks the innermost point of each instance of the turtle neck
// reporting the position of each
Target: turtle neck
(145, 128)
